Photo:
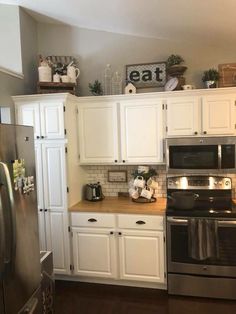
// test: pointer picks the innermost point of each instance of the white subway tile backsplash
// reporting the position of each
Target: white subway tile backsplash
(100, 174)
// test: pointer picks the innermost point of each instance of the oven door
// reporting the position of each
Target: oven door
(179, 260)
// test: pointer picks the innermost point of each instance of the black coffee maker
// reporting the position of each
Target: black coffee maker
(93, 192)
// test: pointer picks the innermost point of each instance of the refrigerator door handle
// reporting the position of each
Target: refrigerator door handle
(2, 240)
(12, 212)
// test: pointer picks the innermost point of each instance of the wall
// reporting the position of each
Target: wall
(97, 48)
(10, 85)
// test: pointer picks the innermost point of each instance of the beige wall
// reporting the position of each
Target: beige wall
(10, 85)
(96, 48)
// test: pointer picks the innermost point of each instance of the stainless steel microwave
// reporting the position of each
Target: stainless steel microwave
(201, 155)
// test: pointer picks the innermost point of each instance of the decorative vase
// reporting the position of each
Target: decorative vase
(210, 84)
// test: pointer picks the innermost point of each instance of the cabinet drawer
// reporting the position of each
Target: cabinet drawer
(92, 220)
(140, 222)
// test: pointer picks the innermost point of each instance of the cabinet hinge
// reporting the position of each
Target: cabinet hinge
(164, 239)
(166, 106)
(77, 110)
(65, 131)
(67, 189)
(66, 150)
(165, 274)
(72, 267)
(64, 108)
(166, 128)
(69, 229)
(235, 102)
(235, 126)
(163, 106)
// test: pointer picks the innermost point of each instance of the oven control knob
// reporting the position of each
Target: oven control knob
(176, 182)
(227, 182)
(220, 182)
(215, 182)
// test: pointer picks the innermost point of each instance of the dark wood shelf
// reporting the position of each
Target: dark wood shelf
(51, 87)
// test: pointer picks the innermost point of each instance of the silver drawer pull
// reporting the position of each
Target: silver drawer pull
(227, 223)
(140, 222)
(92, 220)
(177, 220)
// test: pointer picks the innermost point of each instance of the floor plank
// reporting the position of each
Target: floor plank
(86, 298)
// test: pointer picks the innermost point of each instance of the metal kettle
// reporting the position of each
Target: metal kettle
(93, 192)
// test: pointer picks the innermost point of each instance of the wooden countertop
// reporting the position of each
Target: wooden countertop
(122, 205)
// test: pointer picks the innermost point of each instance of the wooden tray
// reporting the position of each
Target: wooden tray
(144, 200)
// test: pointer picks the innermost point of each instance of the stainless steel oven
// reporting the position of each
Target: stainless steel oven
(215, 275)
(201, 155)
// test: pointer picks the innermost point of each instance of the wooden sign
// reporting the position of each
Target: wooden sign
(227, 74)
(117, 176)
(147, 74)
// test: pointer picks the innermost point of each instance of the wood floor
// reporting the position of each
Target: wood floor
(84, 298)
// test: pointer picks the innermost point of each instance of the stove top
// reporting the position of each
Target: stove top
(215, 196)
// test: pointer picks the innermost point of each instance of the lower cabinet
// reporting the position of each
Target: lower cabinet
(125, 247)
(94, 252)
(141, 256)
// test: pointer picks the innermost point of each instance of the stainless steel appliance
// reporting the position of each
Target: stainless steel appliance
(93, 192)
(201, 155)
(48, 283)
(214, 214)
(20, 274)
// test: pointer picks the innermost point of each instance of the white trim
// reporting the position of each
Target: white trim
(12, 73)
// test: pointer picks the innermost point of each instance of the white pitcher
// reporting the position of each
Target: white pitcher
(72, 73)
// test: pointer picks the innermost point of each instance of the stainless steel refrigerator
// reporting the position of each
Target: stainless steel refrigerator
(19, 245)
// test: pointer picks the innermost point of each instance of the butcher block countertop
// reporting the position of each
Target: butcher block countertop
(121, 205)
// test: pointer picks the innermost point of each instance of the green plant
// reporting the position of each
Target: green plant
(211, 75)
(146, 175)
(96, 88)
(174, 60)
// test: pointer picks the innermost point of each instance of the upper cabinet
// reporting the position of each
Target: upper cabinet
(129, 131)
(141, 124)
(201, 115)
(218, 114)
(183, 116)
(98, 132)
(47, 117)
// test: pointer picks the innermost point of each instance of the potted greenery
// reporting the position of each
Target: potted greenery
(96, 88)
(210, 78)
(175, 65)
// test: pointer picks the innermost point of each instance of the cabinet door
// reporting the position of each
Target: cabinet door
(52, 120)
(28, 114)
(141, 131)
(54, 176)
(218, 114)
(40, 196)
(98, 133)
(94, 252)
(183, 116)
(57, 237)
(141, 256)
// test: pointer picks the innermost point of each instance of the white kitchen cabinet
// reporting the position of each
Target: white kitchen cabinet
(94, 252)
(121, 132)
(119, 246)
(98, 132)
(59, 180)
(141, 124)
(201, 115)
(46, 117)
(218, 115)
(183, 116)
(141, 255)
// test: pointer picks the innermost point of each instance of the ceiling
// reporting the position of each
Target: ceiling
(212, 20)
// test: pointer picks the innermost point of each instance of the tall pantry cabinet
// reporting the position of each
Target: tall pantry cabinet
(59, 178)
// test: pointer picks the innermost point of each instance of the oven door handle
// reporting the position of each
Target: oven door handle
(177, 220)
(227, 223)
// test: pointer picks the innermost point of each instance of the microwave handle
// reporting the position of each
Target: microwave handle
(219, 157)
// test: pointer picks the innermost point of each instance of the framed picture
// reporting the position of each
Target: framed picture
(117, 176)
(146, 74)
(227, 74)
